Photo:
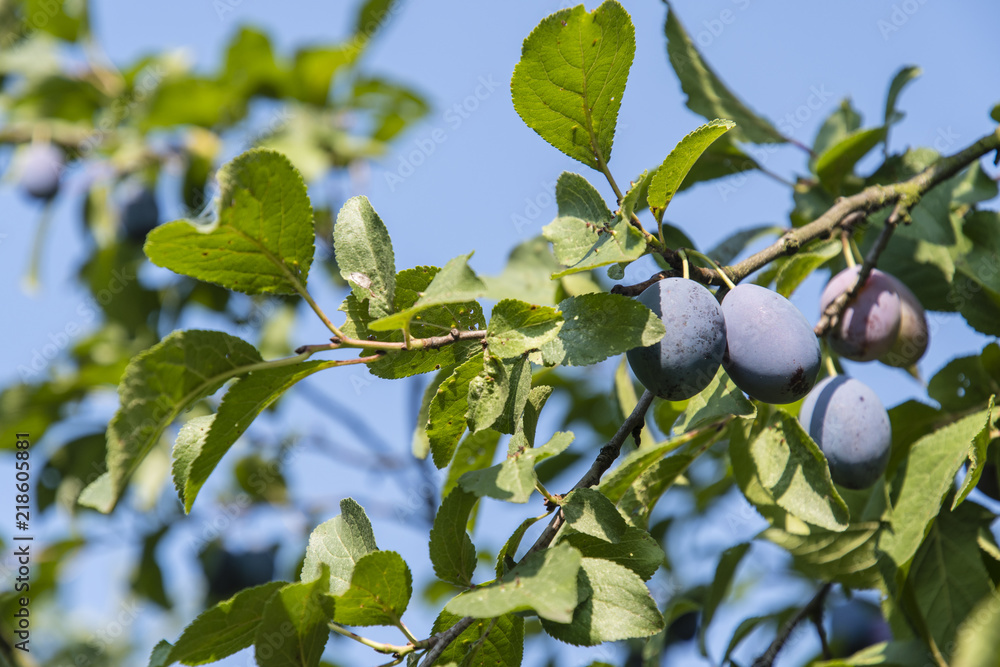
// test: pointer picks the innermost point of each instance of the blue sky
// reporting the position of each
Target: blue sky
(488, 184)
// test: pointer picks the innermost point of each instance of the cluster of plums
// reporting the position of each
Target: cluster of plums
(40, 170)
(770, 351)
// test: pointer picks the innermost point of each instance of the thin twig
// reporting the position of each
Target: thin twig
(812, 607)
(439, 642)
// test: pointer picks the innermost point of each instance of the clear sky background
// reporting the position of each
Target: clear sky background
(490, 174)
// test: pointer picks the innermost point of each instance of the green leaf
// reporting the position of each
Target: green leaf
(421, 444)
(497, 396)
(724, 573)
(380, 591)
(372, 15)
(314, 68)
(720, 399)
(410, 284)
(505, 558)
(977, 457)
(452, 553)
(339, 544)
(67, 21)
(617, 480)
(641, 497)
(475, 452)
(545, 582)
(496, 642)
(707, 95)
(514, 479)
(537, 398)
(569, 83)
(598, 326)
(792, 470)
(902, 78)
(922, 484)
(203, 441)
(517, 327)
(619, 241)
(837, 162)
(582, 211)
(668, 177)
(224, 629)
(446, 415)
(296, 614)
(948, 576)
(263, 239)
(364, 255)
(159, 657)
(848, 557)
(636, 550)
(978, 638)
(719, 160)
(839, 124)
(614, 604)
(589, 511)
(158, 385)
(455, 283)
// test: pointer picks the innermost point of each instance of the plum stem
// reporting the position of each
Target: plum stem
(685, 272)
(722, 274)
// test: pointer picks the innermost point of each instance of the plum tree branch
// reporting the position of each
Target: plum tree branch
(811, 610)
(844, 211)
(632, 424)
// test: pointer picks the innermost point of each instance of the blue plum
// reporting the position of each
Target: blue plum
(870, 323)
(688, 356)
(911, 343)
(40, 169)
(771, 353)
(847, 420)
(139, 210)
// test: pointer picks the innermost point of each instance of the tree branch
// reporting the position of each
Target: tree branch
(812, 608)
(609, 452)
(845, 211)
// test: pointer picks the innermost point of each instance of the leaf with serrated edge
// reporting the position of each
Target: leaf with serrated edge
(364, 255)
(517, 327)
(381, 586)
(668, 177)
(452, 553)
(544, 582)
(598, 326)
(446, 414)
(488, 642)
(339, 544)
(582, 211)
(158, 385)
(569, 82)
(514, 479)
(475, 452)
(263, 240)
(224, 629)
(497, 395)
(200, 448)
(636, 550)
(590, 512)
(455, 283)
(707, 95)
(977, 457)
(921, 485)
(619, 241)
(297, 610)
(792, 469)
(615, 604)
(718, 400)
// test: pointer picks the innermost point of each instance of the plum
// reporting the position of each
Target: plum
(847, 420)
(139, 210)
(771, 351)
(40, 169)
(911, 343)
(870, 324)
(688, 356)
